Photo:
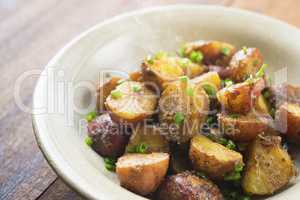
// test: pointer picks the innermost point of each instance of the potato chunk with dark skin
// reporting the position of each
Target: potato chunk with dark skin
(183, 108)
(214, 52)
(288, 121)
(186, 186)
(241, 97)
(212, 158)
(269, 167)
(142, 173)
(244, 63)
(243, 128)
(131, 102)
(150, 136)
(163, 69)
(109, 138)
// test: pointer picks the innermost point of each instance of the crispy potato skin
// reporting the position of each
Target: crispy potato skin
(132, 106)
(243, 64)
(212, 158)
(269, 168)
(186, 186)
(174, 99)
(212, 51)
(210, 78)
(142, 173)
(104, 91)
(288, 121)
(244, 128)
(151, 136)
(240, 98)
(165, 69)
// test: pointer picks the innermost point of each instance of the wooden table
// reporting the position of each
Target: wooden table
(32, 31)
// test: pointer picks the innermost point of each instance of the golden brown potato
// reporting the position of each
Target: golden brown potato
(269, 167)
(241, 97)
(214, 52)
(186, 186)
(142, 173)
(243, 128)
(210, 77)
(104, 91)
(131, 102)
(150, 136)
(136, 76)
(288, 121)
(183, 108)
(244, 63)
(161, 69)
(212, 158)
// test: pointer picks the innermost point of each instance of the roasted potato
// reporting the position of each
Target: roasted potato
(212, 158)
(163, 69)
(183, 108)
(214, 52)
(142, 173)
(269, 167)
(109, 138)
(244, 63)
(149, 135)
(284, 93)
(288, 121)
(243, 128)
(241, 97)
(103, 92)
(211, 78)
(136, 76)
(186, 186)
(131, 102)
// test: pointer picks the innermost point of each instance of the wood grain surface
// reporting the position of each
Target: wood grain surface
(32, 31)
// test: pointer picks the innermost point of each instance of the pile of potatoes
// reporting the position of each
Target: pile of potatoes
(166, 105)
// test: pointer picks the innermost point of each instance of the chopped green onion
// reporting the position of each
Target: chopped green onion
(230, 145)
(196, 57)
(142, 148)
(201, 175)
(211, 119)
(110, 164)
(90, 116)
(225, 51)
(116, 94)
(227, 82)
(209, 89)
(235, 175)
(184, 62)
(184, 79)
(190, 91)
(245, 49)
(261, 71)
(179, 118)
(136, 88)
(88, 141)
(182, 51)
(150, 60)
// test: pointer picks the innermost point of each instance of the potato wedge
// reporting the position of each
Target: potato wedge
(288, 121)
(243, 128)
(269, 167)
(149, 135)
(131, 102)
(186, 186)
(142, 173)
(103, 92)
(212, 158)
(241, 97)
(183, 108)
(214, 52)
(244, 63)
(162, 69)
(136, 76)
(210, 77)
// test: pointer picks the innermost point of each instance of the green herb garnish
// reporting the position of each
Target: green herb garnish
(209, 89)
(136, 88)
(227, 82)
(235, 175)
(88, 141)
(90, 116)
(184, 62)
(184, 79)
(190, 91)
(150, 60)
(245, 49)
(261, 71)
(110, 164)
(225, 51)
(201, 175)
(116, 94)
(140, 148)
(182, 51)
(179, 118)
(196, 57)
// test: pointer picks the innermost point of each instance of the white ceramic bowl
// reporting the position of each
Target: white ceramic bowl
(120, 44)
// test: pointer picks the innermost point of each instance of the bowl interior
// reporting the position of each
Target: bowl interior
(66, 89)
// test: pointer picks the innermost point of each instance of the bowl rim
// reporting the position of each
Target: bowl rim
(36, 119)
